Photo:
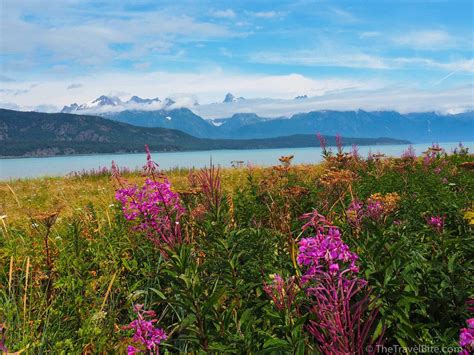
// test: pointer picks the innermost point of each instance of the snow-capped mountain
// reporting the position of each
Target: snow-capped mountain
(231, 98)
(105, 104)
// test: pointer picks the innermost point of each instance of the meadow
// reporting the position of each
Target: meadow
(343, 257)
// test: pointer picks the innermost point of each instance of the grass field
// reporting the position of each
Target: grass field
(340, 257)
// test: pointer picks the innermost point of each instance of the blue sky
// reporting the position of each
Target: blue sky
(57, 52)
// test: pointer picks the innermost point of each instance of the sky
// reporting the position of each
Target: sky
(54, 53)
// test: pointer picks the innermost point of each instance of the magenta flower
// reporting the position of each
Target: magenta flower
(355, 214)
(145, 332)
(315, 221)
(355, 152)
(436, 222)
(341, 324)
(409, 153)
(322, 252)
(156, 209)
(375, 210)
(322, 141)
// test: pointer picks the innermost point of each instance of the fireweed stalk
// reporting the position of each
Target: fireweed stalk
(145, 333)
(154, 207)
(341, 303)
(436, 223)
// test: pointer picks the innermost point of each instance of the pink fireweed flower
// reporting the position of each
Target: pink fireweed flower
(150, 167)
(322, 141)
(355, 152)
(436, 222)
(282, 292)
(409, 153)
(375, 210)
(466, 336)
(156, 209)
(330, 277)
(315, 221)
(319, 253)
(145, 332)
(355, 214)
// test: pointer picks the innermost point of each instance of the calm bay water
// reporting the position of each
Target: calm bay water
(58, 166)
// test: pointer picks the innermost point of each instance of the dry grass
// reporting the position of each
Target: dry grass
(22, 199)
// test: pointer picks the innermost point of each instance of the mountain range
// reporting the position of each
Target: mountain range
(42, 134)
(416, 127)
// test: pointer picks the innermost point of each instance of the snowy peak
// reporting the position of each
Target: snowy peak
(70, 108)
(113, 104)
(104, 101)
(231, 98)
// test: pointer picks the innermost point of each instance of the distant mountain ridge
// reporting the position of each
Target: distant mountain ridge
(416, 127)
(42, 134)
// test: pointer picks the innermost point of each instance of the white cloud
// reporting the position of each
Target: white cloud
(268, 14)
(426, 39)
(403, 100)
(211, 86)
(358, 60)
(228, 13)
(80, 37)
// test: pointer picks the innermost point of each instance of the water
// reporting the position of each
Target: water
(58, 166)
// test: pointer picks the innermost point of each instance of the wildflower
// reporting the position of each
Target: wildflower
(320, 253)
(355, 214)
(355, 152)
(409, 153)
(379, 206)
(332, 284)
(154, 207)
(437, 223)
(150, 166)
(145, 332)
(322, 142)
(282, 292)
(375, 210)
(316, 221)
(466, 337)
(209, 182)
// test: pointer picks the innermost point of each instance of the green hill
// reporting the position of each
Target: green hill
(42, 134)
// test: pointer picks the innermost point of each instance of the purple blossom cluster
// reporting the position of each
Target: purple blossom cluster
(145, 332)
(375, 210)
(326, 252)
(355, 214)
(437, 223)
(331, 281)
(409, 153)
(154, 207)
(466, 338)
